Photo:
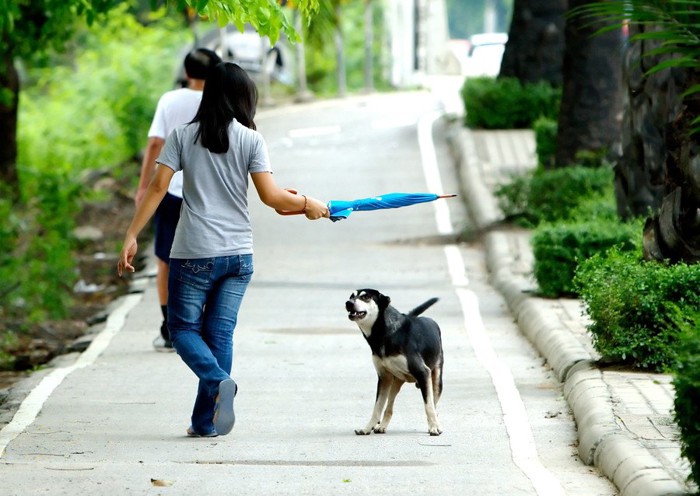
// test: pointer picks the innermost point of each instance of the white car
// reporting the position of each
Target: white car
(485, 54)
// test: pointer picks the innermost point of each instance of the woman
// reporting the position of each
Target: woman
(211, 260)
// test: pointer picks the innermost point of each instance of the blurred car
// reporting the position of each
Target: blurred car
(485, 54)
(249, 50)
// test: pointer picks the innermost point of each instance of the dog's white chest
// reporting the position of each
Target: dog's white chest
(396, 365)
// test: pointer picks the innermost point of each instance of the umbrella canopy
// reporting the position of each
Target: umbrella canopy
(341, 209)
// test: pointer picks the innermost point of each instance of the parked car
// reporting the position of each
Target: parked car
(251, 51)
(485, 54)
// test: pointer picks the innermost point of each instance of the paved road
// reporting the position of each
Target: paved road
(114, 421)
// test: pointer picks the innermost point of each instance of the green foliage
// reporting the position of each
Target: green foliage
(320, 53)
(686, 382)
(545, 140)
(8, 340)
(505, 103)
(39, 266)
(93, 114)
(555, 193)
(550, 195)
(558, 249)
(10, 226)
(97, 113)
(26, 27)
(632, 305)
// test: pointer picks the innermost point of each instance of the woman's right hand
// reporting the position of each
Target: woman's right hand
(126, 256)
(316, 209)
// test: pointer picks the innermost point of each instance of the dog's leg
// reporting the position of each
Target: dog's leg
(422, 373)
(436, 376)
(389, 410)
(383, 385)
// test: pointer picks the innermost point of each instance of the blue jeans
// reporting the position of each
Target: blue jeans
(204, 298)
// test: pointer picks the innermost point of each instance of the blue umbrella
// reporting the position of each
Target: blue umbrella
(341, 209)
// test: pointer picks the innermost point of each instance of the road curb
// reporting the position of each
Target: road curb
(602, 443)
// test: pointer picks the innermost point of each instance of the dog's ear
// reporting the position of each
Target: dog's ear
(384, 301)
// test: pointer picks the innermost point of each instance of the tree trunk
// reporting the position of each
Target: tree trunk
(590, 112)
(9, 100)
(651, 102)
(535, 47)
(369, 42)
(659, 169)
(303, 93)
(340, 53)
(673, 232)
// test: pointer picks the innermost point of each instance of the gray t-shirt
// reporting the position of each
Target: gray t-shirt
(214, 220)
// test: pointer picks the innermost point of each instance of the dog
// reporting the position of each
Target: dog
(405, 348)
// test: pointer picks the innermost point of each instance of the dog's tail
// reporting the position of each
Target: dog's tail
(422, 307)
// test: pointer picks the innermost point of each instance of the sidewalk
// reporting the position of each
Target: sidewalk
(625, 419)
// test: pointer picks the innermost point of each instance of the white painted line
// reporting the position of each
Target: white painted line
(311, 132)
(33, 403)
(455, 266)
(522, 442)
(431, 171)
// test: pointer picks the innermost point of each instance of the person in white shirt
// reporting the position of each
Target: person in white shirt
(175, 107)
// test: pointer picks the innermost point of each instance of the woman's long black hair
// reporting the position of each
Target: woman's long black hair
(228, 93)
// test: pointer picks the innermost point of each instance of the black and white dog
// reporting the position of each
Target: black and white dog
(405, 348)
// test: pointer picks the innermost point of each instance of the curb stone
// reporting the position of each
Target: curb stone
(602, 442)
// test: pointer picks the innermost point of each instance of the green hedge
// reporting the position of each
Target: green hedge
(545, 141)
(686, 382)
(557, 194)
(558, 249)
(505, 103)
(91, 114)
(632, 305)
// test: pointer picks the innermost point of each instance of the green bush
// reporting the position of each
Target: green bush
(512, 197)
(90, 114)
(505, 103)
(97, 112)
(558, 249)
(632, 304)
(545, 141)
(557, 194)
(686, 382)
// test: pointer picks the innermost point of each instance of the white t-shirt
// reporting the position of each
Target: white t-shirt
(174, 108)
(214, 219)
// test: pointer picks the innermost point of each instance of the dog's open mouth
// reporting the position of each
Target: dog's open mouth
(355, 315)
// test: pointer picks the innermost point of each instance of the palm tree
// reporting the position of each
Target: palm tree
(658, 173)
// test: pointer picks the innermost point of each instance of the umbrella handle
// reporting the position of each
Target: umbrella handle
(290, 212)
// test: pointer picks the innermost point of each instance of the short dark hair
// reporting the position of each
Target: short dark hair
(199, 62)
(229, 94)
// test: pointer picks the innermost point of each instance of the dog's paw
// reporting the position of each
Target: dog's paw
(380, 429)
(434, 431)
(362, 432)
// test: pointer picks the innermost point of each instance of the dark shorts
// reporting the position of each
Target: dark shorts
(166, 217)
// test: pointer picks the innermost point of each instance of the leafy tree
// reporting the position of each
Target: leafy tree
(31, 26)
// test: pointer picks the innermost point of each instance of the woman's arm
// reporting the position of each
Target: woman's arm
(154, 194)
(280, 199)
(148, 166)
